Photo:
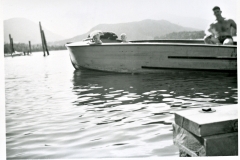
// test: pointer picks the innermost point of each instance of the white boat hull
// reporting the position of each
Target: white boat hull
(142, 57)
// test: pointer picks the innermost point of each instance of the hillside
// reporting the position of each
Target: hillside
(182, 35)
(23, 30)
(141, 30)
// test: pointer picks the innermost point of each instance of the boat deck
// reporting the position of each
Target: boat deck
(151, 42)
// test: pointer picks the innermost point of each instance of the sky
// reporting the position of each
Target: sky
(60, 16)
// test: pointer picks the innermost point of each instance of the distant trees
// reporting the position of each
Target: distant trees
(6, 48)
(182, 35)
(22, 47)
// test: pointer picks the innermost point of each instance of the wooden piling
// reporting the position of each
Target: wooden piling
(42, 39)
(30, 49)
(45, 42)
(11, 44)
(13, 50)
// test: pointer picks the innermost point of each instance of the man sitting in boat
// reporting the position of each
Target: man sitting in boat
(124, 38)
(219, 32)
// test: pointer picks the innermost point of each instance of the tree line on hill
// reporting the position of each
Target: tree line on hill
(23, 47)
(182, 35)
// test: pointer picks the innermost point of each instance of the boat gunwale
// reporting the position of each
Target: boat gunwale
(148, 44)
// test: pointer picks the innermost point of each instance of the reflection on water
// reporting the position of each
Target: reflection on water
(53, 111)
(188, 87)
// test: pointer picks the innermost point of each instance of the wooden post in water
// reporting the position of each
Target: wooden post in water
(45, 42)
(30, 49)
(42, 39)
(11, 44)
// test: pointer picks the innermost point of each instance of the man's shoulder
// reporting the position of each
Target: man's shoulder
(230, 20)
(213, 23)
(216, 22)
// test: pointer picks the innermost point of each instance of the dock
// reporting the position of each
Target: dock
(198, 132)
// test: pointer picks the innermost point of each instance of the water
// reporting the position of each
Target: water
(53, 111)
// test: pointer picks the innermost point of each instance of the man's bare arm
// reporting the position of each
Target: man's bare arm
(233, 24)
(234, 27)
(209, 30)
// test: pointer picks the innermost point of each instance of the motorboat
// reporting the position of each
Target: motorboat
(153, 55)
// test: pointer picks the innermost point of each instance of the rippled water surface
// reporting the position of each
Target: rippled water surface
(53, 111)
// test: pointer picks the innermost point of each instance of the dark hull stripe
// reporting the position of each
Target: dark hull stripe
(194, 57)
(192, 69)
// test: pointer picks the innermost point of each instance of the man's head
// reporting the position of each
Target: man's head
(217, 11)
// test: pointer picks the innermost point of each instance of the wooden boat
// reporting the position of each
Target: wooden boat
(146, 56)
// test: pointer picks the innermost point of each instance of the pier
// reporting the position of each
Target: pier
(207, 133)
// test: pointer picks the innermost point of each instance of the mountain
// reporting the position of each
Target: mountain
(193, 22)
(23, 30)
(183, 35)
(141, 30)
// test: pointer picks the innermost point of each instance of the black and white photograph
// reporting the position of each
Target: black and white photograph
(119, 79)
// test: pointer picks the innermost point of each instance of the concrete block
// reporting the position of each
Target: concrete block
(216, 145)
(224, 120)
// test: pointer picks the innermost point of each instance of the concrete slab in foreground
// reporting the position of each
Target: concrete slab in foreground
(207, 133)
